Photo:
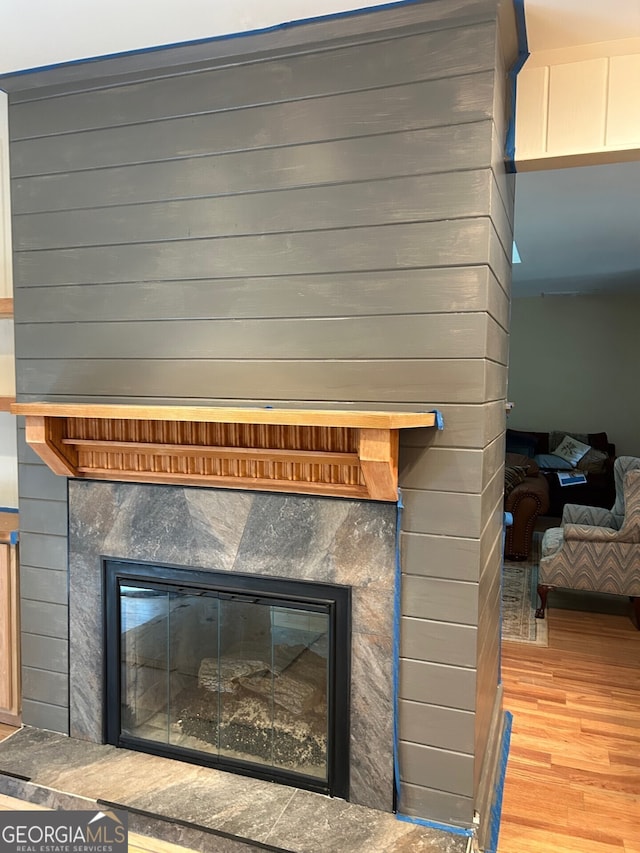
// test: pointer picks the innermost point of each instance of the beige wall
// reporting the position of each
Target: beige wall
(574, 366)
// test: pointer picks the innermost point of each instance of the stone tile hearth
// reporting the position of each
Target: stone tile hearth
(202, 808)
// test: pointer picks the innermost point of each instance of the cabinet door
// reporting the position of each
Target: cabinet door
(9, 637)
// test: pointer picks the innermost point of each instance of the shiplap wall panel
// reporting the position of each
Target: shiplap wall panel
(431, 103)
(304, 209)
(37, 481)
(43, 715)
(352, 29)
(45, 653)
(417, 800)
(439, 380)
(443, 642)
(437, 556)
(442, 728)
(577, 106)
(325, 227)
(404, 336)
(405, 152)
(468, 426)
(436, 598)
(45, 686)
(43, 551)
(450, 686)
(445, 469)
(43, 585)
(427, 765)
(395, 246)
(44, 619)
(421, 291)
(623, 112)
(44, 516)
(423, 56)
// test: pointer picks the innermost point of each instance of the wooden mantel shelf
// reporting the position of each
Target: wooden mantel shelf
(308, 451)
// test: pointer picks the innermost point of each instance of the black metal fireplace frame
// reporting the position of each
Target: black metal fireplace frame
(273, 590)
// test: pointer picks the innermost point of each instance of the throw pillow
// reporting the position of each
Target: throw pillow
(513, 474)
(571, 449)
(593, 462)
(551, 462)
(556, 438)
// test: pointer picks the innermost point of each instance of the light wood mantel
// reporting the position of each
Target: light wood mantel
(308, 451)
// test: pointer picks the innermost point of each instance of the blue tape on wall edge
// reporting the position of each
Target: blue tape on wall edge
(523, 55)
(439, 419)
(496, 806)
(274, 28)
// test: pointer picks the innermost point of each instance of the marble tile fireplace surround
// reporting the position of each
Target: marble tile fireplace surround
(325, 540)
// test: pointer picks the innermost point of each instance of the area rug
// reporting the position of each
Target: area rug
(519, 600)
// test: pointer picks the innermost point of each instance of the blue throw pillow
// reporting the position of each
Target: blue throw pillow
(551, 462)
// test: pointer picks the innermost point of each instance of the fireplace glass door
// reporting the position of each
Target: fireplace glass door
(242, 677)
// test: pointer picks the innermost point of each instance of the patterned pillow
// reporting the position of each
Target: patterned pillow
(593, 462)
(571, 449)
(513, 475)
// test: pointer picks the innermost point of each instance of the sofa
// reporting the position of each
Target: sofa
(596, 465)
(526, 496)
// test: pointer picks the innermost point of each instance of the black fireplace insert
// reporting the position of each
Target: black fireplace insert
(244, 673)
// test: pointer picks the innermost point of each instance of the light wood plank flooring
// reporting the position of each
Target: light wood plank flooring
(573, 775)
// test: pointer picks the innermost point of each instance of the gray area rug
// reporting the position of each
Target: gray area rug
(519, 597)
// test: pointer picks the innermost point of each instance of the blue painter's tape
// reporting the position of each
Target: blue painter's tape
(349, 13)
(496, 806)
(439, 419)
(8, 509)
(13, 537)
(433, 824)
(396, 648)
(523, 55)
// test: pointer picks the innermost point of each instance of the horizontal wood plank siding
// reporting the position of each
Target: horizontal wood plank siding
(449, 100)
(423, 56)
(448, 380)
(350, 29)
(421, 291)
(403, 153)
(325, 227)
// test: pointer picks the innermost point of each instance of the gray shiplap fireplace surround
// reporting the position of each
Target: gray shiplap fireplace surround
(316, 217)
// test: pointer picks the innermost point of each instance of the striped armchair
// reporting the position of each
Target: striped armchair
(597, 549)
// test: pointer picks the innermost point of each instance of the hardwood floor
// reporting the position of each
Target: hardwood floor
(573, 775)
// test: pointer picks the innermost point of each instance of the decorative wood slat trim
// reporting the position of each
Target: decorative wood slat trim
(338, 453)
(6, 306)
(319, 457)
(6, 403)
(288, 486)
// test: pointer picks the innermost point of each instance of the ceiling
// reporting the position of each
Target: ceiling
(578, 230)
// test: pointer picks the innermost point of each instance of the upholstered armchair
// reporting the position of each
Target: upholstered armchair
(597, 549)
